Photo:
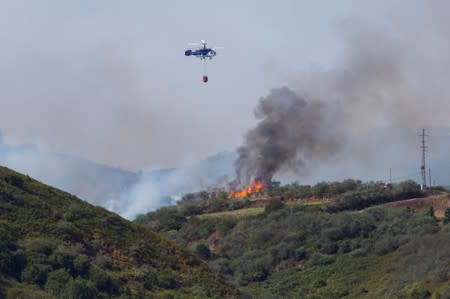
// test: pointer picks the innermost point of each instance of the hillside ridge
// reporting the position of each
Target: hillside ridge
(53, 245)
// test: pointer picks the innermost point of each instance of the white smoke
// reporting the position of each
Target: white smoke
(163, 187)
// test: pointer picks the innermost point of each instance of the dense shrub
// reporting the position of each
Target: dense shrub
(103, 281)
(8, 263)
(80, 289)
(35, 274)
(225, 224)
(253, 266)
(191, 209)
(282, 251)
(202, 251)
(222, 267)
(406, 189)
(57, 282)
(40, 246)
(385, 245)
(273, 205)
(168, 280)
(81, 265)
(420, 294)
(372, 194)
(14, 180)
(327, 247)
(63, 257)
(239, 204)
(318, 259)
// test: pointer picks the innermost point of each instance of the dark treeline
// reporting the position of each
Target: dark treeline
(346, 195)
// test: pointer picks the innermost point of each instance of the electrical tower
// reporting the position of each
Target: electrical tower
(422, 166)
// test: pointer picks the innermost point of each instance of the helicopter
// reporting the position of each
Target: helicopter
(203, 53)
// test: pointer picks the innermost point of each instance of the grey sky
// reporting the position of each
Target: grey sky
(108, 81)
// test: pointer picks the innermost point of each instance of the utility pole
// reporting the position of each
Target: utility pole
(422, 166)
(390, 176)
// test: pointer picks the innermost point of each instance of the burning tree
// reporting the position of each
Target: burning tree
(256, 186)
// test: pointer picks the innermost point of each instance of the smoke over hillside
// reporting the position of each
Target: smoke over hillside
(127, 193)
(380, 81)
(289, 130)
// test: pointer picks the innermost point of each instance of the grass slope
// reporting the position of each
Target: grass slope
(236, 213)
(54, 245)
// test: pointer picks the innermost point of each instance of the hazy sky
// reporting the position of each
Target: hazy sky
(108, 80)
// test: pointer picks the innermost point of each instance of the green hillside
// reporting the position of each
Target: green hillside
(54, 245)
(350, 246)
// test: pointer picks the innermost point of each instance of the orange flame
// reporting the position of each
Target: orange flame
(254, 187)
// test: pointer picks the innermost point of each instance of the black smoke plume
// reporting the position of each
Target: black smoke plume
(289, 130)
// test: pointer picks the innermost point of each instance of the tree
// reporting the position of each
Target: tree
(320, 189)
(406, 189)
(203, 251)
(431, 212)
(81, 265)
(447, 216)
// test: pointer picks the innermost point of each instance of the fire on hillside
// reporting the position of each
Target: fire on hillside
(255, 187)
